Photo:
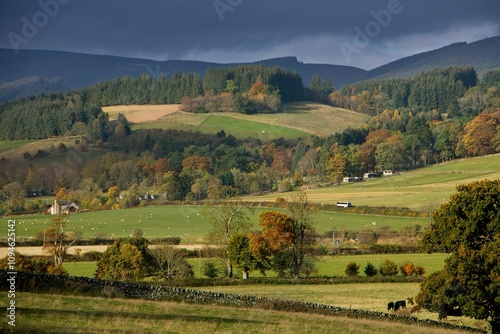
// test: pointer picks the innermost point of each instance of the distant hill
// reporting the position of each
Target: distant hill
(33, 72)
(483, 55)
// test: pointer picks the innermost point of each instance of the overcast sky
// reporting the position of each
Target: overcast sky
(361, 33)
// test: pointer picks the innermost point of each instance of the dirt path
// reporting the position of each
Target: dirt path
(32, 251)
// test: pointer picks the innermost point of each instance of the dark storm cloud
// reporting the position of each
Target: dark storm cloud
(245, 30)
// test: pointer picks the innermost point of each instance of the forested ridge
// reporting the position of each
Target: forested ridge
(434, 90)
(55, 114)
(195, 166)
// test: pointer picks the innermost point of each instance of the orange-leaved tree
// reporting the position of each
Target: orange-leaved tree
(271, 246)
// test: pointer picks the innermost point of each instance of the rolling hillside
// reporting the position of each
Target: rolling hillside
(421, 189)
(298, 120)
(483, 55)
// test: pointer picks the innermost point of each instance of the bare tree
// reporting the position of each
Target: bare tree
(303, 222)
(170, 262)
(56, 240)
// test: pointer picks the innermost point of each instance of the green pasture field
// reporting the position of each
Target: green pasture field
(44, 313)
(82, 268)
(332, 266)
(239, 128)
(366, 296)
(423, 189)
(190, 223)
(327, 265)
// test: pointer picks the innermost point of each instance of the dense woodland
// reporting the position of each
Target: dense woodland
(407, 130)
(55, 114)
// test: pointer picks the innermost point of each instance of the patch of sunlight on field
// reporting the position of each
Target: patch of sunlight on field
(298, 119)
(141, 113)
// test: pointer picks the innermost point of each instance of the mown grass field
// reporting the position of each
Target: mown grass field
(141, 113)
(190, 223)
(41, 313)
(421, 189)
(299, 119)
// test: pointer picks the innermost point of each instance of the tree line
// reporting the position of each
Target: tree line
(55, 114)
(439, 89)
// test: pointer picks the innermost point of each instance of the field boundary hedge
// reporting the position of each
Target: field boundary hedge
(43, 283)
(361, 210)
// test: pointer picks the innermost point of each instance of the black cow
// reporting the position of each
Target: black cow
(399, 304)
(390, 306)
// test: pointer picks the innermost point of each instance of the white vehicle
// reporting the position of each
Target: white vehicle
(344, 204)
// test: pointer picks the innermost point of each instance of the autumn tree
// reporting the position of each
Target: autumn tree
(480, 132)
(62, 194)
(281, 163)
(160, 169)
(197, 163)
(228, 218)
(258, 88)
(272, 245)
(468, 228)
(113, 192)
(369, 147)
(336, 166)
(122, 261)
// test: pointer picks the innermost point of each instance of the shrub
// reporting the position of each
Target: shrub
(388, 268)
(352, 269)
(210, 269)
(407, 269)
(370, 270)
(420, 271)
(91, 256)
(57, 270)
(280, 200)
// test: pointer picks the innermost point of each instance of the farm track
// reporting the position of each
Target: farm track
(38, 251)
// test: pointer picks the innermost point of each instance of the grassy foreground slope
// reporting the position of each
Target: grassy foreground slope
(73, 314)
(421, 189)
